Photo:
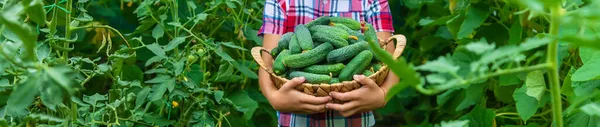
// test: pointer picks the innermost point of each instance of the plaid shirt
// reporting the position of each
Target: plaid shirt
(281, 16)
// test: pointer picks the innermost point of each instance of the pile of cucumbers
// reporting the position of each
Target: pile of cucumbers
(326, 50)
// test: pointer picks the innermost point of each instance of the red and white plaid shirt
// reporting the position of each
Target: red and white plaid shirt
(282, 16)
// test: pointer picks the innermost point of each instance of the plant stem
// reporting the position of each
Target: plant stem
(69, 7)
(552, 58)
(104, 26)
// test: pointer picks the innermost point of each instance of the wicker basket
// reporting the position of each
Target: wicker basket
(324, 89)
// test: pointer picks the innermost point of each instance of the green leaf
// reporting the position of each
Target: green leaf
(223, 54)
(582, 120)
(23, 95)
(157, 120)
(425, 21)
(93, 100)
(473, 95)
(589, 55)
(591, 62)
(159, 79)
(480, 117)
(51, 95)
(536, 85)
(218, 96)
(480, 47)
(179, 65)
(567, 88)
(158, 32)
(200, 17)
(156, 49)
(508, 80)
(592, 109)
(153, 60)
(516, 32)
(454, 123)
(588, 41)
(244, 70)
(195, 74)
(500, 93)
(526, 105)
(243, 103)
(3, 122)
(585, 87)
(475, 16)
(231, 45)
(534, 42)
(158, 90)
(141, 97)
(441, 65)
(174, 43)
(42, 52)
(587, 72)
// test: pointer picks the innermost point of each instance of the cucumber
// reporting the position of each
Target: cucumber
(376, 66)
(371, 34)
(310, 77)
(334, 80)
(367, 72)
(336, 41)
(345, 53)
(275, 51)
(285, 40)
(349, 22)
(294, 46)
(334, 31)
(356, 66)
(278, 66)
(304, 38)
(334, 69)
(311, 57)
(324, 20)
(352, 32)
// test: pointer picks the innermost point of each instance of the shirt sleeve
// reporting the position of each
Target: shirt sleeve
(379, 15)
(274, 18)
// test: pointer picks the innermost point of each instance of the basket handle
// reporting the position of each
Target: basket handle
(257, 55)
(400, 45)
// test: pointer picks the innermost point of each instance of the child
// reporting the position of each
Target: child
(296, 109)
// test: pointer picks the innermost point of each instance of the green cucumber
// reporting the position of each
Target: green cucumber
(304, 39)
(367, 72)
(333, 69)
(356, 66)
(278, 66)
(275, 51)
(371, 34)
(334, 80)
(336, 41)
(349, 22)
(345, 53)
(376, 66)
(310, 77)
(324, 20)
(311, 57)
(284, 41)
(294, 46)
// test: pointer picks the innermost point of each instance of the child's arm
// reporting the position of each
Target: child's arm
(391, 78)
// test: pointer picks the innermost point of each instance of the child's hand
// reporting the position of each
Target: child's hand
(366, 98)
(289, 100)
